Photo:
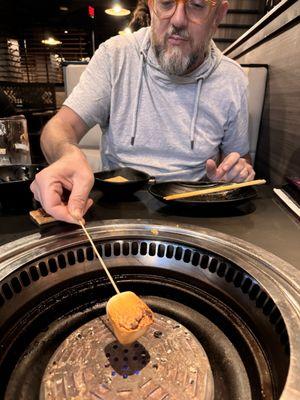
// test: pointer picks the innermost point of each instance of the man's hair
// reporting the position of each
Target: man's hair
(141, 16)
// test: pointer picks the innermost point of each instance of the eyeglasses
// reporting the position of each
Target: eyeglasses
(197, 11)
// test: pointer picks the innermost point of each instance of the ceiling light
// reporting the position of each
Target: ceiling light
(66, 31)
(63, 8)
(117, 10)
(126, 31)
(51, 41)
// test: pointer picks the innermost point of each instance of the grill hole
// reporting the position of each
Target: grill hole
(195, 259)
(2, 301)
(89, 253)
(61, 261)
(152, 249)
(246, 285)
(125, 248)
(99, 249)
(280, 327)
(134, 248)
(204, 261)
(43, 268)
(254, 292)
(238, 279)
(71, 257)
(275, 314)
(80, 255)
(117, 249)
(221, 270)
(161, 250)
(24, 278)
(213, 265)
(16, 285)
(178, 253)
(8, 294)
(170, 251)
(230, 274)
(143, 248)
(52, 265)
(260, 301)
(268, 307)
(187, 255)
(34, 273)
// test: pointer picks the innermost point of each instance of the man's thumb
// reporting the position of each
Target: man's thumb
(211, 168)
(77, 204)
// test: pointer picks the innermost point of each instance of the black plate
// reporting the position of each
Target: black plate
(136, 180)
(15, 183)
(235, 197)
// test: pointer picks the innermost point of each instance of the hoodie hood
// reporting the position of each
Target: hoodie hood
(143, 46)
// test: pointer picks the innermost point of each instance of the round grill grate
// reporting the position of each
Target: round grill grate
(167, 363)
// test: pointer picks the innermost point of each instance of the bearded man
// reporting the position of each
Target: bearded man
(168, 103)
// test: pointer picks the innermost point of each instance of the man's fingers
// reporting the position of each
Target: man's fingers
(78, 201)
(211, 169)
(229, 161)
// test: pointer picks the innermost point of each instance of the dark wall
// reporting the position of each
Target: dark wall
(278, 152)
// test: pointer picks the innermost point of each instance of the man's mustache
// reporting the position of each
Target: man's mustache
(183, 33)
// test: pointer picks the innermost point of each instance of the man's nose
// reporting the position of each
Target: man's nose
(179, 17)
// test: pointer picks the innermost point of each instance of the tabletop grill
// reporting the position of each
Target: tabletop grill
(238, 305)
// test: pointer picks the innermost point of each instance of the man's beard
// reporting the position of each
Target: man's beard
(171, 59)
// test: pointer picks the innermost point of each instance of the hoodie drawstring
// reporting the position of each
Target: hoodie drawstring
(195, 113)
(135, 109)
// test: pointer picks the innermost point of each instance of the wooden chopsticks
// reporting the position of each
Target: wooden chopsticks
(218, 189)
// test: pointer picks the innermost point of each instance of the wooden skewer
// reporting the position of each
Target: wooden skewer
(129, 316)
(99, 257)
(217, 189)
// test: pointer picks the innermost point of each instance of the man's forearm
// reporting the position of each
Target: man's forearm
(62, 134)
(55, 139)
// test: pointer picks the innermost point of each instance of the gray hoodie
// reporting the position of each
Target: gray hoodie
(165, 125)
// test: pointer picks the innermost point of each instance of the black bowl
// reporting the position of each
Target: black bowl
(15, 183)
(230, 198)
(136, 180)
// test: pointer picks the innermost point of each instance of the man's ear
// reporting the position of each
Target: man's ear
(220, 13)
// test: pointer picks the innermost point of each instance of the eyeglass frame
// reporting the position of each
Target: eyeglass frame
(213, 4)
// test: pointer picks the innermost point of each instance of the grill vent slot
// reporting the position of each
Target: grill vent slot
(16, 285)
(43, 268)
(61, 261)
(222, 269)
(178, 253)
(213, 265)
(25, 278)
(117, 249)
(52, 265)
(187, 256)
(152, 249)
(80, 255)
(34, 273)
(161, 250)
(126, 248)
(8, 294)
(170, 251)
(204, 261)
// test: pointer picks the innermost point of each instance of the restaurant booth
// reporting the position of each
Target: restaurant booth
(221, 273)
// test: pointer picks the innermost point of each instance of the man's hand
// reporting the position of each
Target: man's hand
(72, 173)
(233, 168)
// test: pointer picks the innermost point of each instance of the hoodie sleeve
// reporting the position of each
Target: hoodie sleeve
(90, 99)
(236, 138)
